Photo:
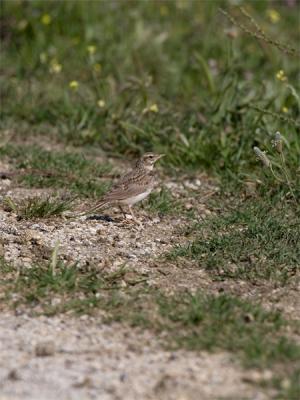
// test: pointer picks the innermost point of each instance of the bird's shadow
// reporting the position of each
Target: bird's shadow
(105, 218)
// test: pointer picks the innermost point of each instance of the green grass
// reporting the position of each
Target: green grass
(216, 96)
(225, 322)
(254, 240)
(58, 170)
(163, 202)
(38, 208)
(39, 284)
(288, 388)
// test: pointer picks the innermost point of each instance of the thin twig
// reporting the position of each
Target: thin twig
(260, 33)
(287, 176)
(54, 258)
(275, 115)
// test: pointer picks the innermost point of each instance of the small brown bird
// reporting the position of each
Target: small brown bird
(132, 187)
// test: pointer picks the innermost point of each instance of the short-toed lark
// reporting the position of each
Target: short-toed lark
(132, 187)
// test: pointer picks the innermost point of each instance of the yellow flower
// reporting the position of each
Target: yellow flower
(153, 108)
(97, 67)
(285, 383)
(91, 50)
(101, 103)
(76, 40)
(55, 67)
(43, 57)
(285, 110)
(281, 76)
(182, 4)
(273, 15)
(164, 10)
(74, 85)
(46, 19)
(22, 25)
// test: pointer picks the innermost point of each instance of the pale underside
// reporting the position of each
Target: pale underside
(130, 201)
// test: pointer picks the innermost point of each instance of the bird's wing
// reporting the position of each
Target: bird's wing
(129, 188)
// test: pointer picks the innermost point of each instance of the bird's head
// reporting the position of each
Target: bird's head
(148, 160)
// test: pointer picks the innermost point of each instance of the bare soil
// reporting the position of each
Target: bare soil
(82, 358)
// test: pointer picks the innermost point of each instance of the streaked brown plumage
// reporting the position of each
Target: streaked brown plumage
(132, 187)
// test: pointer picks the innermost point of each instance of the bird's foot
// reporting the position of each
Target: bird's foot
(133, 221)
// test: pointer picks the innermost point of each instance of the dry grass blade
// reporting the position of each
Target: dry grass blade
(260, 33)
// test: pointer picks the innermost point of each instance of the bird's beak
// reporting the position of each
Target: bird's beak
(160, 156)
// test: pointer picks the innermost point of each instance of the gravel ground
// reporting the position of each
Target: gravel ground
(107, 242)
(66, 358)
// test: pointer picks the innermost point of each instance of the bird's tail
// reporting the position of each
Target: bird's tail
(96, 207)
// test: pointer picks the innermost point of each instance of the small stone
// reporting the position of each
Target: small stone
(248, 318)
(251, 188)
(123, 283)
(45, 349)
(191, 185)
(123, 377)
(26, 261)
(172, 357)
(285, 384)
(33, 236)
(86, 382)
(188, 206)
(13, 375)
(55, 301)
(258, 376)
(267, 375)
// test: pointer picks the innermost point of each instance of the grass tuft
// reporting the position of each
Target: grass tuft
(252, 241)
(38, 208)
(77, 290)
(58, 170)
(228, 323)
(163, 202)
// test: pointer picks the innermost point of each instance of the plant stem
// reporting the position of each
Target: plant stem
(287, 176)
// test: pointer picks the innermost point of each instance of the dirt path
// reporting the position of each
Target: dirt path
(89, 360)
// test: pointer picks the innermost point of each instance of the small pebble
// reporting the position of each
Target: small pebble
(45, 349)
(13, 375)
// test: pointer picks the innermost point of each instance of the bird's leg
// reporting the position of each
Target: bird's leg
(134, 217)
(122, 211)
(132, 214)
